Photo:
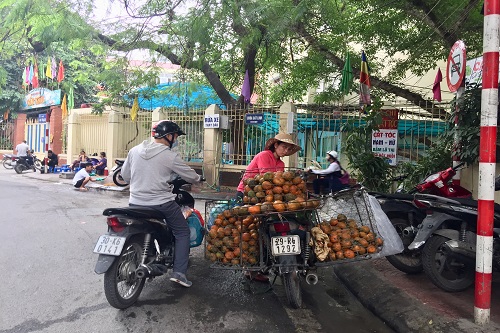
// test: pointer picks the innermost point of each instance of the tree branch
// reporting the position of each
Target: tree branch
(414, 98)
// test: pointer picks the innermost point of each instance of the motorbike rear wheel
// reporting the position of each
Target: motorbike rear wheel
(408, 261)
(19, 168)
(117, 178)
(121, 286)
(446, 273)
(38, 164)
(7, 164)
(291, 281)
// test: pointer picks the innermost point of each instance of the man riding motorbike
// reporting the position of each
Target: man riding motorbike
(148, 169)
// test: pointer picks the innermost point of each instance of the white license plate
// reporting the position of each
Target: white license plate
(283, 245)
(110, 245)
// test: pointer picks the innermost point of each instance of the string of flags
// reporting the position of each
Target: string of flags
(33, 74)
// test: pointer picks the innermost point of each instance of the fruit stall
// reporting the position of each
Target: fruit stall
(331, 229)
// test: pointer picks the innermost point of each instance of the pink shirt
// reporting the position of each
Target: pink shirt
(262, 163)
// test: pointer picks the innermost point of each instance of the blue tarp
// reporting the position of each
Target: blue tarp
(177, 95)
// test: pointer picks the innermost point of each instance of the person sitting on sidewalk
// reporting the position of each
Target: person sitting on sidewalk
(52, 160)
(82, 158)
(103, 163)
(82, 177)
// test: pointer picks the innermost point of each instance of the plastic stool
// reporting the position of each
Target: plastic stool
(77, 169)
(65, 168)
(57, 170)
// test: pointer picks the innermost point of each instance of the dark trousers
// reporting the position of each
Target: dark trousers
(178, 224)
(330, 184)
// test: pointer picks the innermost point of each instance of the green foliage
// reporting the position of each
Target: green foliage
(467, 131)
(372, 171)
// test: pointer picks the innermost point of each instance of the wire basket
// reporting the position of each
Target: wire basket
(232, 241)
(348, 231)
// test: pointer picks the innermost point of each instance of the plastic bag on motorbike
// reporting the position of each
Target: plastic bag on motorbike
(196, 224)
(392, 241)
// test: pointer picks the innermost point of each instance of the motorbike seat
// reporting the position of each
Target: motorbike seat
(137, 212)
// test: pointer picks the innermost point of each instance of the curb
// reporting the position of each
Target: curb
(398, 309)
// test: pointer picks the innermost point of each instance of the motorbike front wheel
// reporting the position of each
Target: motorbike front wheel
(445, 272)
(408, 261)
(121, 286)
(291, 282)
(7, 164)
(19, 168)
(117, 178)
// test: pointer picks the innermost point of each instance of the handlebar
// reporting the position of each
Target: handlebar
(458, 166)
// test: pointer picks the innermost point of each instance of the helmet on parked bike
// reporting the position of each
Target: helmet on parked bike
(164, 127)
(333, 153)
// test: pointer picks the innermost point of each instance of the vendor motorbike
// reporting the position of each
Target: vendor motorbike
(117, 174)
(288, 253)
(22, 164)
(9, 161)
(406, 216)
(138, 246)
(449, 254)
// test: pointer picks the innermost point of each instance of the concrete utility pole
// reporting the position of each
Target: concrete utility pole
(487, 162)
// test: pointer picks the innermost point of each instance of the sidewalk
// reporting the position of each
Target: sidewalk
(406, 303)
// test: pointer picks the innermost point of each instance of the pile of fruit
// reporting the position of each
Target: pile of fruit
(276, 191)
(233, 239)
(342, 238)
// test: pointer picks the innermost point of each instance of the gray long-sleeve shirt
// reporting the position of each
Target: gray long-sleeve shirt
(148, 169)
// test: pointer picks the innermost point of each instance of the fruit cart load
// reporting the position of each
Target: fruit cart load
(353, 226)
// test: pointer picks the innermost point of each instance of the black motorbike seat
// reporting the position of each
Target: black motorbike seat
(137, 212)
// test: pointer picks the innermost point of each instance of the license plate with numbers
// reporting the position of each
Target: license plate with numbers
(285, 245)
(110, 245)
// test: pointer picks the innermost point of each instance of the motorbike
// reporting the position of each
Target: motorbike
(288, 253)
(117, 173)
(449, 254)
(138, 246)
(9, 161)
(22, 164)
(406, 216)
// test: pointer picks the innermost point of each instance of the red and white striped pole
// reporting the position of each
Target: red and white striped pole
(487, 162)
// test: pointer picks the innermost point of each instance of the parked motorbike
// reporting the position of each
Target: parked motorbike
(449, 254)
(406, 216)
(117, 173)
(138, 246)
(9, 161)
(22, 164)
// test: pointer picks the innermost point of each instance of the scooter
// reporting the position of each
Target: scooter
(9, 161)
(22, 164)
(117, 174)
(139, 245)
(406, 216)
(449, 231)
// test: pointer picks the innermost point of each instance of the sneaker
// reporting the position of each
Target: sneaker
(180, 279)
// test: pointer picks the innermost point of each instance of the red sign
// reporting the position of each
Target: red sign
(389, 119)
(456, 65)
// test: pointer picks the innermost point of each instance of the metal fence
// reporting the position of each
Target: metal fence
(191, 146)
(320, 129)
(7, 134)
(133, 132)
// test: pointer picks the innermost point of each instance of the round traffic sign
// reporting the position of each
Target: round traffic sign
(455, 67)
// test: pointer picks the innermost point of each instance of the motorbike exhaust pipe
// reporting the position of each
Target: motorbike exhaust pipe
(142, 272)
(311, 279)
(408, 231)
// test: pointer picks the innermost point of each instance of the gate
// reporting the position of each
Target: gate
(35, 135)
